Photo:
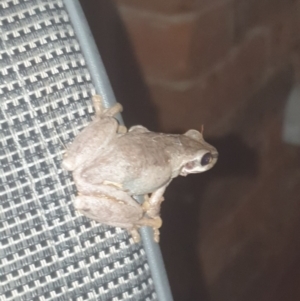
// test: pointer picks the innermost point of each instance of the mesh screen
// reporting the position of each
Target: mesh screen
(48, 251)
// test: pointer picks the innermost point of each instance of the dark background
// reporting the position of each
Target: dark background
(230, 233)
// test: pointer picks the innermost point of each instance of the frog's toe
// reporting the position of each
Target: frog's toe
(157, 222)
(98, 104)
(146, 205)
(135, 235)
(112, 111)
(156, 235)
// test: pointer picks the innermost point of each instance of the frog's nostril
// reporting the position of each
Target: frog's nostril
(215, 155)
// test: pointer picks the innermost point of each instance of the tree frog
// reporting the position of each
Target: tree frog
(111, 164)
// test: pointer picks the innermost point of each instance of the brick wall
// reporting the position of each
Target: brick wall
(231, 233)
(201, 59)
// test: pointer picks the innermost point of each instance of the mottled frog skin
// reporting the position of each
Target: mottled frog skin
(111, 164)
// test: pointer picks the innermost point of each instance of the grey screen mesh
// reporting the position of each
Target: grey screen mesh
(49, 252)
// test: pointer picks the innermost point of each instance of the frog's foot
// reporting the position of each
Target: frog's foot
(152, 210)
(112, 111)
(157, 224)
(135, 235)
(156, 235)
(154, 223)
(100, 110)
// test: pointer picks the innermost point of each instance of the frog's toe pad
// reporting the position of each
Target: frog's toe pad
(135, 235)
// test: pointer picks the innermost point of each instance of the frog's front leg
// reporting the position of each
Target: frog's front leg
(152, 205)
(111, 206)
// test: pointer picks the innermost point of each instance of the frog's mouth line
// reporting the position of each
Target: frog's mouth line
(183, 173)
(214, 158)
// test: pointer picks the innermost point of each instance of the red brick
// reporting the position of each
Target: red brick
(263, 224)
(232, 84)
(180, 45)
(222, 242)
(253, 150)
(162, 44)
(284, 36)
(255, 244)
(260, 122)
(296, 62)
(245, 249)
(213, 38)
(287, 287)
(252, 13)
(222, 198)
(173, 106)
(169, 6)
(213, 100)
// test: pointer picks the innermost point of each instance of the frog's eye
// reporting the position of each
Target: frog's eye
(206, 159)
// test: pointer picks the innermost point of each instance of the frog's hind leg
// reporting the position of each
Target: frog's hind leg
(112, 206)
(154, 223)
(101, 111)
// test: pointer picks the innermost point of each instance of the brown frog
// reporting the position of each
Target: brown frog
(110, 165)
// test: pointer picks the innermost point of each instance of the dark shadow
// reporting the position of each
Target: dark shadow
(181, 210)
(236, 158)
(120, 63)
(180, 213)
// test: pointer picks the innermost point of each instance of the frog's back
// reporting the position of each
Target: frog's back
(138, 161)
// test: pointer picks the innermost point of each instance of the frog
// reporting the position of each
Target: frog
(112, 165)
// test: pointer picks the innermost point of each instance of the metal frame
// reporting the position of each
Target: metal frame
(103, 87)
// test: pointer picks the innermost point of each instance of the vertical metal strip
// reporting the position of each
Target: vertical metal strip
(90, 51)
(157, 266)
(103, 87)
